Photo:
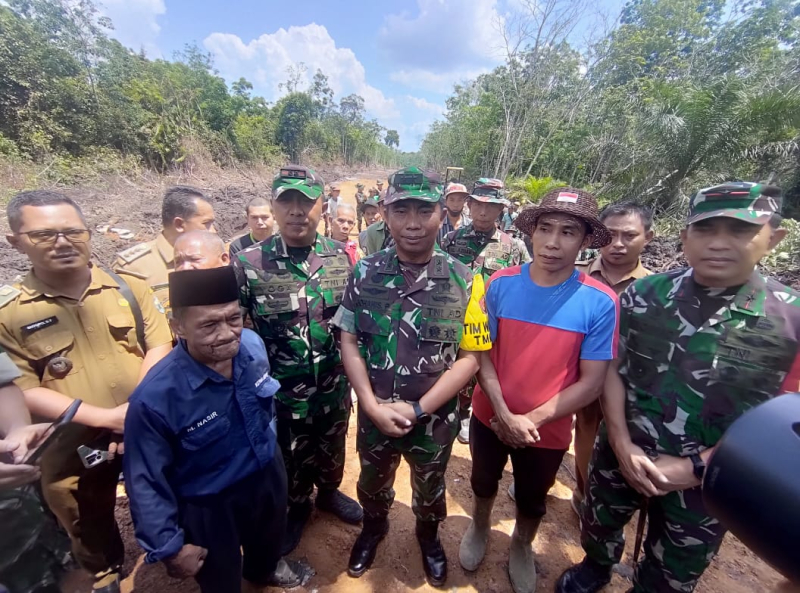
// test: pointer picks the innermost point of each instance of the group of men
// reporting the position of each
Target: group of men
(226, 431)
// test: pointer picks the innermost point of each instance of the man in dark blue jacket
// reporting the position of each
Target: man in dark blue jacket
(205, 479)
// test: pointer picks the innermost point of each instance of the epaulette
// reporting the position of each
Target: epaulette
(134, 253)
(138, 275)
(7, 294)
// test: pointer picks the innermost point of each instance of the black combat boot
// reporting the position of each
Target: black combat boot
(586, 577)
(433, 559)
(296, 520)
(366, 546)
(341, 505)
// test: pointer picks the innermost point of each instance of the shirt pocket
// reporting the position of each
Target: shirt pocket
(46, 349)
(204, 436)
(122, 328)
(374, 336)
(438, 344)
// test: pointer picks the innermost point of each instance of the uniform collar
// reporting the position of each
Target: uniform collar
(279, 250)
(469, 232)
(596, 266)
(165, 249)
(33, 288)
(436, 268)
(197, 373)
(749, 300)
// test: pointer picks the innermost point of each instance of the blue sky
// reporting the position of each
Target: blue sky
(402, 56)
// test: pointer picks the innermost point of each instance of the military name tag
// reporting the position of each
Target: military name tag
(37, 325)
(373, 304)
(333, 283)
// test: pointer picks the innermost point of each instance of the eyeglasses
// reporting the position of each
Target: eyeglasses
(50, 237)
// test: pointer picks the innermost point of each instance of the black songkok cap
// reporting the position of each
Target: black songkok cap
(214, 286)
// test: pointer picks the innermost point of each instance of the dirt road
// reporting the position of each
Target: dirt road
(398, 568)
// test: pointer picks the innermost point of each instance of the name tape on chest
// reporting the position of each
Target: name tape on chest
(201, 423)
(37, 325)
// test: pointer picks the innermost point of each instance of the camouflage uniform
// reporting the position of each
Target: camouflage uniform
(361, 199)
(408, 336)
(482, 254)
(34, 552)
(291, 305)
(687, 379)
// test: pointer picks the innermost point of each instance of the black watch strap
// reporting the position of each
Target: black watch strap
(698, 466)
(417, 409)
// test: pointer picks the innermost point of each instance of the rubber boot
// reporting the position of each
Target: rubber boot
(366, 546)
(521, 567)
(434, 560)
(473, 544)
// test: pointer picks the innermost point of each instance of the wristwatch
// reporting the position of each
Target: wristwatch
(422, 417)
(698, 466)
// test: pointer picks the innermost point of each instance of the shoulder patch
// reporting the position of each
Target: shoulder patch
(7, 294)
(131, 273)
(134, 253)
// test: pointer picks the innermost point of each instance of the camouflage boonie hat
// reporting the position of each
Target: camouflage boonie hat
(302, 179)
(751, 202)
(359, 186)
(412, 183)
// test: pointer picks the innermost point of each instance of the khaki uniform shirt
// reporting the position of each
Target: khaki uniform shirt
(595, 269)
(152, 262)
(83, 349)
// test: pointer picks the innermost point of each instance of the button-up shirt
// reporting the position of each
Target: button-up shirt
(447, 226)
(191, 432)
(596, 270)
(688, 377)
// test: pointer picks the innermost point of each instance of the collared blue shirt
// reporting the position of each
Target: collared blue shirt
(191, 432)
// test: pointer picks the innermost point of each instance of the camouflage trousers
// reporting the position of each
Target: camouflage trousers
(681, 538)
(313, 450)
(360, 214)
(33, 550)
(426, 449)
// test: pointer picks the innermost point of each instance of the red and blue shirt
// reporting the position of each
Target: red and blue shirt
(539, 336)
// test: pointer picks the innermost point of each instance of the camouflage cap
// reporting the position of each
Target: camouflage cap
(489, 190)
(302, 179)
(751, 202)
(371, 202)
(412, 183)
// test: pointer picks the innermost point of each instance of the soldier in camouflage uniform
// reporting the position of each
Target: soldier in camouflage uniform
(405, 344)
(698, 348)
(361, 198)
(291, 285)
(34, 552)
(485, 249)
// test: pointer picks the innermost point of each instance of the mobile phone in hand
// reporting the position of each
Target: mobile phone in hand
(52, 433)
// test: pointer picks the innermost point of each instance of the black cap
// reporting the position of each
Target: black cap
(213, 286)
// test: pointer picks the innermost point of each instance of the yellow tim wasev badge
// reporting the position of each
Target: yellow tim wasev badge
(476, 336)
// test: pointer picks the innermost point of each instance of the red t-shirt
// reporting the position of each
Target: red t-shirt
(539, 336)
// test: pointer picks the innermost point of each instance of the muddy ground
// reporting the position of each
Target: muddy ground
(327, 542)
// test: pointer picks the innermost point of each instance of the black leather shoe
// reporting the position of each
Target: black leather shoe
(288, 574)
(296, 521)
(341, 505)
(586, 577)
(366, 546)
(433, 559)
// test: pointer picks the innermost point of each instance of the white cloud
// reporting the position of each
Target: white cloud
(135, 23)
(265, 60)
(444, 42)
(425, 105)
(441, 83)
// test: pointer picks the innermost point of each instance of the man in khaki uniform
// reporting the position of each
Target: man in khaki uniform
(73, 334)
(618, 265)
(184, 209)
